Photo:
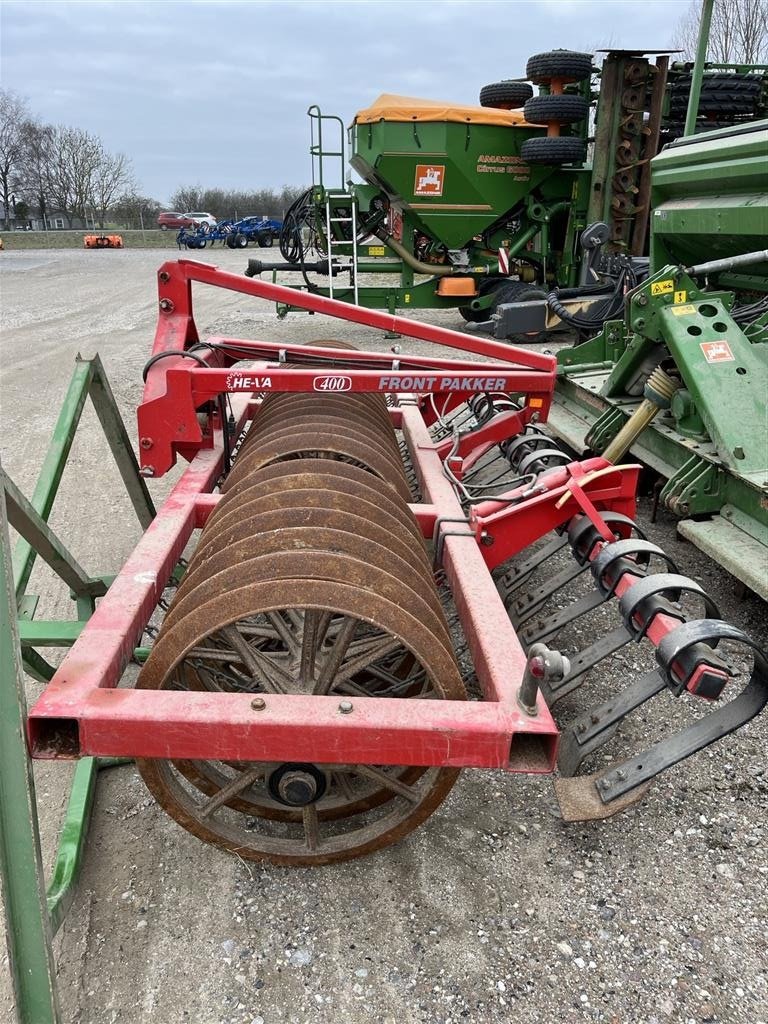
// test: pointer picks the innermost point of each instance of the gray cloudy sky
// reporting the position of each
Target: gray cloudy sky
(216, 93)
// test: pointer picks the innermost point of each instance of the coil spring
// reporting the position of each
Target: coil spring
(534, 451)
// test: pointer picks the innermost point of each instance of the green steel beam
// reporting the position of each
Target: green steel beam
(52, 468)
(71, 851)
(88, 378)
(698, 67)
(69, 856)
(120, 444)
(28, 932)
(33, 528)
(36, 666)
(49, 634)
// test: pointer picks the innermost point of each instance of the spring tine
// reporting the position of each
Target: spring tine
(543, 629)
(595, 727)
(584, 661)
(513, 579)
(603, 794)
(526, 606)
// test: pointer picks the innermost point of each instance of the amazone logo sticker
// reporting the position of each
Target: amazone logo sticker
(717, 352)
(429, 180)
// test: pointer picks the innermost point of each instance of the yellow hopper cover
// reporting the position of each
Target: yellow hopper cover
(407, 108)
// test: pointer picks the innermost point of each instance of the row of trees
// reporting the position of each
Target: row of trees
(68, 172)
(738, 33)
(55, 168)
(225, 203)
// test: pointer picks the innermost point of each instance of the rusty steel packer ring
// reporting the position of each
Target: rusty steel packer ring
(310, 577)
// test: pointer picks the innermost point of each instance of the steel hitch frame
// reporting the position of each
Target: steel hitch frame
(82, 711)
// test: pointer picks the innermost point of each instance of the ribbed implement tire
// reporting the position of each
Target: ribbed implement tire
(518, 291)
(565, 64)
(726, 93)
(557, 109)
(554, 150)
(506, 95)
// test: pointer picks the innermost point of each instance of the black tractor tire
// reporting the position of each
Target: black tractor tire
(566, 65)
(240, 242)
(554, 150)
(229, 241)
(518, 291)
(505, 95)
(557, 109)
(265, 240)
(724, 93)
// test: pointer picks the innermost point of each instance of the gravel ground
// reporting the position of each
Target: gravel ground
(494, 911)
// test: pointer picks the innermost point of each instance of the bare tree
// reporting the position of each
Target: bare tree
(112, 176)
(14, 114)
(738, 33)
(36, 161)
(75, 157)
(226, 203)
(187, 198)
(132, 210)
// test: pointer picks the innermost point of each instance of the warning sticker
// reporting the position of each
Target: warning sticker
(680, 297)
(429, 180)
(662, 287)
(377, 250)
(683, 310)
(717, 352)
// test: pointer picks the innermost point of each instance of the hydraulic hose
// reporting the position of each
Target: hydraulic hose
(431, 269)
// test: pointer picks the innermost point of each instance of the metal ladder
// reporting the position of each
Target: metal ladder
(320, 158)
(330, 220)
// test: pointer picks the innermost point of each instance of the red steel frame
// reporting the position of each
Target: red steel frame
(84, 712)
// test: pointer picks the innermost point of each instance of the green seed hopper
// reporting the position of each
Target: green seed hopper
(454, 169)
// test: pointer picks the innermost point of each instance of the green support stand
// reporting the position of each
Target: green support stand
(32, 916)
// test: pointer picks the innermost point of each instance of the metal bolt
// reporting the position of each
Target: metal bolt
(642, 299)
(147, 471)
(146, 442)
(581, 727)
(164, 276)
(621, 774)
(604, 784)
(485, 539)
(166, 305)
(258, 703)
(345, 707)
